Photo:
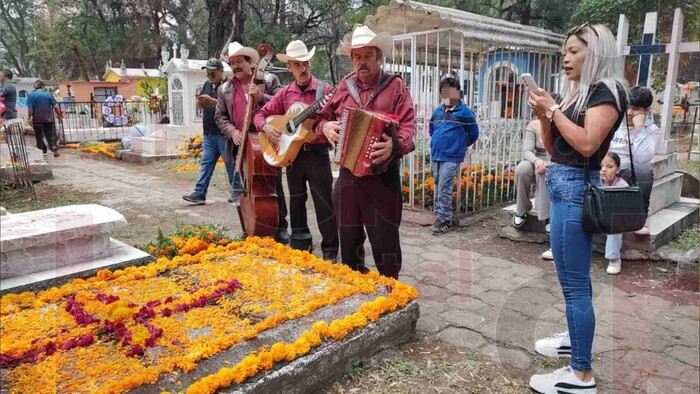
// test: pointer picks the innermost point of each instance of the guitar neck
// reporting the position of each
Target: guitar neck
(311, 109)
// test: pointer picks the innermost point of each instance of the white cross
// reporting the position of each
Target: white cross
(673, 49)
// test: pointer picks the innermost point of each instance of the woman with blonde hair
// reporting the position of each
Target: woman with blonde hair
(577, 135)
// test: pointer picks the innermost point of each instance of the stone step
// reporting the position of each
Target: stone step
(121, 256)
(531, 222)
(665, 192)
(142, 158)
(663, 165)
(666, 147)
(39, 171)
(664, 226)
(34, 155)
(155, 146)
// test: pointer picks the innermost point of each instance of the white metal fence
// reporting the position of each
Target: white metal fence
(492, 87)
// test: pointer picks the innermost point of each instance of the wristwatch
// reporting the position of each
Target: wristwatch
(550, 111)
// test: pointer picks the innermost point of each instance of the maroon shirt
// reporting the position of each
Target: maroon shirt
(239, 101)
(280, 103)
(394, 99)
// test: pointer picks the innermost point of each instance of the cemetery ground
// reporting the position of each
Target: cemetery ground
(484, 299)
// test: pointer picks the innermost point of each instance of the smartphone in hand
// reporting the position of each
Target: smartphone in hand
(529, 81)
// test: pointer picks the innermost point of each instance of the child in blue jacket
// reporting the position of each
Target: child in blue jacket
(452, 129)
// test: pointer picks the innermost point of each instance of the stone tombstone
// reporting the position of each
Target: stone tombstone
(53, 238)
(185, 81)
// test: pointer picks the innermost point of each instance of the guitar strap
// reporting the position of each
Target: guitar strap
(384, 82)
(319, 90)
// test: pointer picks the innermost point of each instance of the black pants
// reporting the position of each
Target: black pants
(645, 179)
(281, 202)
(373, 203)
(314, 167)
(48, 131)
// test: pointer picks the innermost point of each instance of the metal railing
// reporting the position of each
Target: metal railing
(492, 88)
(16, 171)
(104, 121)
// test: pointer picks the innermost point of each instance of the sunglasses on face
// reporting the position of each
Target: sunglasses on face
(211, 75)
(578, 32)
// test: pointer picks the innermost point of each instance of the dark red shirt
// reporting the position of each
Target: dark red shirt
(290, 94)
(394, 99)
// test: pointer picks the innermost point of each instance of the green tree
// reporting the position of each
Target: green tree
(17, 35)
(607, 12)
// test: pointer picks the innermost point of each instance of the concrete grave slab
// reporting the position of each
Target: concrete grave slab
(49, 239)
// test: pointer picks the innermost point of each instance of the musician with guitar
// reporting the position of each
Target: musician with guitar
(372, 202)
(312, 163)
(232, 100)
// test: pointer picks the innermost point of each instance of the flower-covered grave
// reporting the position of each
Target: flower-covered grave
(149, 327)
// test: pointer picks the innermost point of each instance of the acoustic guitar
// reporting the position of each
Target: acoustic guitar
(297, 129)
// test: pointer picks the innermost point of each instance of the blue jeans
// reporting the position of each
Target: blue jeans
(213, 147)
(443, 173)
(572, 250)
(613, 244)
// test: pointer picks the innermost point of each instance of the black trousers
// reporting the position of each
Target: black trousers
(313, 167)
(281, 202)
(371, 203)
(48, 131)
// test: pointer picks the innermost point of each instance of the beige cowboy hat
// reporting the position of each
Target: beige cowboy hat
(296, 51)
(363, 36)
(236, 49)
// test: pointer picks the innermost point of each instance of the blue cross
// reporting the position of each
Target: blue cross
(646, 50)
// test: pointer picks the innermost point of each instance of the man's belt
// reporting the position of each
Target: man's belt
(315, 147)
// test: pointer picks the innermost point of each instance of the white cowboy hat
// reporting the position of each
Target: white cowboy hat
(296, 51)
(236, 49)
(363, 36)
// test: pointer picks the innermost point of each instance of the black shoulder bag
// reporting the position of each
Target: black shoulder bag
(613, 210)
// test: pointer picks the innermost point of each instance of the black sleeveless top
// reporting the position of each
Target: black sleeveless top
(565, 153)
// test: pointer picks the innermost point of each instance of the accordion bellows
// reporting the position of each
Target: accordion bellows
(359, 130)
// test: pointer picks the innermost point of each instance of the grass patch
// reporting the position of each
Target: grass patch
(427, 367)
(47, 196)
(400, 368)
(689, 239)
(550, 363)
(143, 226)
(356, 371)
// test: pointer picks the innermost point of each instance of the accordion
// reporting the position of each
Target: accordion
(359, 130)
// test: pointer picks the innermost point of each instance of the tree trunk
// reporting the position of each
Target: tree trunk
(526, 13)
(283, 13)
(81, 65)
(155, 26)
(226, 19)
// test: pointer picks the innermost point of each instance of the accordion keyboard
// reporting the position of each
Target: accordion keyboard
(341, 135)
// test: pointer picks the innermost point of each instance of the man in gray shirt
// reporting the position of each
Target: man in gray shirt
(8, 93)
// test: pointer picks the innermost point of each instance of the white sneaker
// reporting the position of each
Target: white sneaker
(548, 255)
(644, 230)
(562, 381)
(614, 267)
(556, 346)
